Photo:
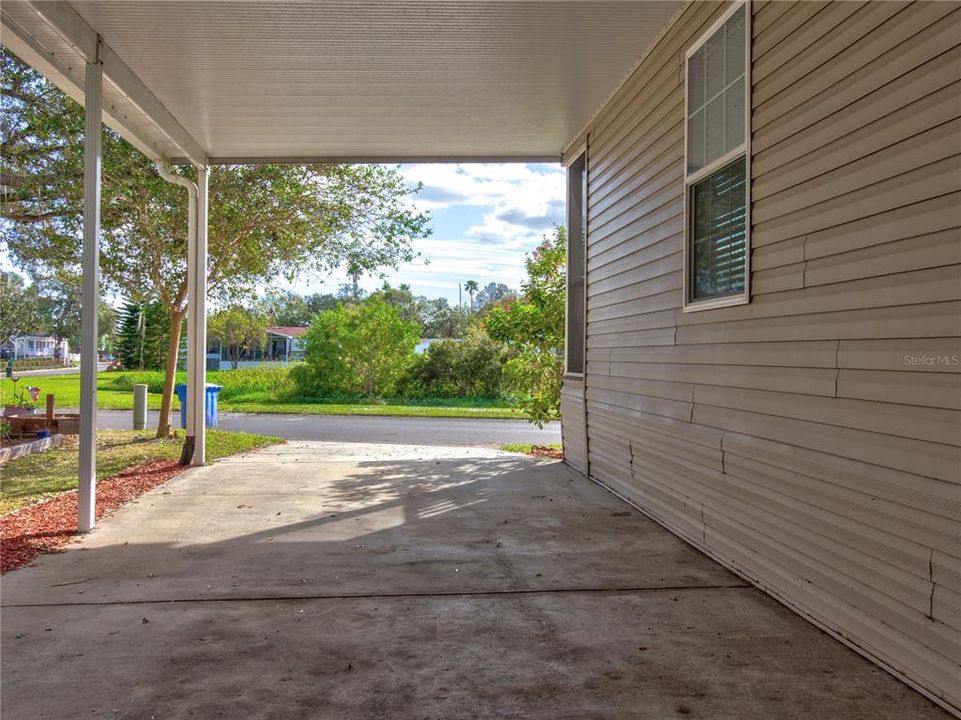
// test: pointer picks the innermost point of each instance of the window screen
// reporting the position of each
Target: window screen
(576, 244)
(716, 172)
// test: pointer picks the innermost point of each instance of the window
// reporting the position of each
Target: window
(576, 244)
(716, 165)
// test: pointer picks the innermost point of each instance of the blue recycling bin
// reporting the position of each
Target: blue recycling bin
(211, 418)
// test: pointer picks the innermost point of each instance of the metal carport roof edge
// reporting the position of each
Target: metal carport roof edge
(88, 46)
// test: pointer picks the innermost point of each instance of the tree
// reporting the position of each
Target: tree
(292, 310)
(534, 325)
(362, 349)
(472, 367)
(471, 287)
(239, 329)
(19, 306)
(143, 336)
(264, 221)
(493, 292)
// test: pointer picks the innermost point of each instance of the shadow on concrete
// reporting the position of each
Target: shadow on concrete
(318, 580)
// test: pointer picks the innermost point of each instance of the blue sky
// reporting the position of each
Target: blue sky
(484, 218)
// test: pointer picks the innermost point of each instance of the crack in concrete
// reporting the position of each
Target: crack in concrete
(389, 596)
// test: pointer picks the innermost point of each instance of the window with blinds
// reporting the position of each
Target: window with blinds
(716, 172)
(576, 255)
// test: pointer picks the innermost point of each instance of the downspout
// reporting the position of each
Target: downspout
(187, 453)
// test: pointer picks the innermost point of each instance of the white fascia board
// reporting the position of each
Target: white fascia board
(22, 44)
(74, 29)
(381, 159)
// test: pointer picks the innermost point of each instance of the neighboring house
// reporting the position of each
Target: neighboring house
(35, 346)
(284, 345)
(763, 331)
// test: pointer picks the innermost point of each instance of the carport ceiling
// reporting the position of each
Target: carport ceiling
(346, 80)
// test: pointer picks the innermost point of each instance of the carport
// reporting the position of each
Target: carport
(256, 82)
(462, 583)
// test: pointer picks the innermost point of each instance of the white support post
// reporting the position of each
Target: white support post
(197, 299)
(90, 297)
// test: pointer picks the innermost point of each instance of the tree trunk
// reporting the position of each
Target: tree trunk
(170, 372)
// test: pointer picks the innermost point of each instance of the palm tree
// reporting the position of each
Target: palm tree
(471, 287)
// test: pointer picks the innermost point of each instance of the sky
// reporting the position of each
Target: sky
(484, 219)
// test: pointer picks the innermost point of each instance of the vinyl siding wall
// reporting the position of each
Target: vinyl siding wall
(809, 439)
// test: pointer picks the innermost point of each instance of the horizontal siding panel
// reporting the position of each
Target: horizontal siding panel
(602, 268)
(930, 424)
(934, 215)
(807, 47)
(785, 379)
(923, 355)
(907, 536)
(935, 497)
(668, 265)
(786, 252)
(654, 388)
(920, 34)
(786, 277)
(946, 607)
(940, 390)
(914, 456)
(602, 253)
(789, 30)
(857, 148)
(927, 251)
(922, 320)
(776, 196)
(912, 87)
(782, 354)
(919, 286)
(918, 185)
(636, 338)
(946, 568)
(616, 391)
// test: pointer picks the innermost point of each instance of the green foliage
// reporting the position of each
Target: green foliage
(143, 336)
(246, 384)
(356, 350)
(471, 368)
(534, 326)
(292, 310)
(19, 307)
(240, 330)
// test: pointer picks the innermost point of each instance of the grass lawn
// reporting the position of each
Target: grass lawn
(28, 479)
(111, 397)
(527, 448)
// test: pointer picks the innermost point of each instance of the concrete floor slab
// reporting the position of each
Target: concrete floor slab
(321, 580)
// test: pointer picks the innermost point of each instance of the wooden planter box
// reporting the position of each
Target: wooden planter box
(67, 424)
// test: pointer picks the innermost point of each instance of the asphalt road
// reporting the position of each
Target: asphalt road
(366, 428)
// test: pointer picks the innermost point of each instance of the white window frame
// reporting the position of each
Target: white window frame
(581, 151)
(691, 179)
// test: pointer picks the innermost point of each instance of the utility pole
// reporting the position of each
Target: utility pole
(460, 297)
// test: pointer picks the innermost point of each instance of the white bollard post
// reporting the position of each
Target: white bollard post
(139, 406)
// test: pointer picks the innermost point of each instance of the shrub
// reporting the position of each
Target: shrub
(473, 367)
(354, 350)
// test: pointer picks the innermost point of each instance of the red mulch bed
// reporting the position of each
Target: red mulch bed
(50, 524)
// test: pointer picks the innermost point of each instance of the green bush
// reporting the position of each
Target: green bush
(357, 350)
(469, 368)
(20, 365)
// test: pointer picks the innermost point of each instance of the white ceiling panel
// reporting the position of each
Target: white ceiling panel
(377, 80)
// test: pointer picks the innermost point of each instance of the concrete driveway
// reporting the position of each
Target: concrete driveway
(320, 580)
